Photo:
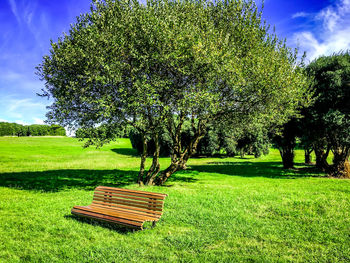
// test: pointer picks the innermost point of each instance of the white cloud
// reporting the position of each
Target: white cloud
(15, 104)
(22, 110)
(333, 34)
(21, 122)
(330, 18)
(38, 121)
(15, 121)
(300, 14)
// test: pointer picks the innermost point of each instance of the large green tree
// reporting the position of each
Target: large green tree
(328, 120)
(159, 65)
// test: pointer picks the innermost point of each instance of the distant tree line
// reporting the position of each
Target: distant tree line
(15, 129)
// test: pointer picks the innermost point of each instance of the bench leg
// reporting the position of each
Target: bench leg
(154, 223)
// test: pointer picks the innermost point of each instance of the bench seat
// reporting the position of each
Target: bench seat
(126, 207)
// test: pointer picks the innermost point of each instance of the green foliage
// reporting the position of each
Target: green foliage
(326, 122)
(127, 57)
(14, 129)
(102, 134)
(209, 145)
(215, 142)
(332, 92)
(38, 130)
(57, 130)
(136, 142)
(254, 143)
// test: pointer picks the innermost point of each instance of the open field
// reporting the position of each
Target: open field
(219, 210)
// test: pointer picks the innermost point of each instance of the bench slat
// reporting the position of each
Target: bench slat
(107, 218)
(122, 202)
(84, 210)
(147, 199)
(123, 206)
(142, 201)
(154, 216)
(131, 192)
(115, 213)
(128, 207)
(114, 199)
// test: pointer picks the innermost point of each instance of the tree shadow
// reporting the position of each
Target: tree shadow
(185, 176)
(57, 180)
(84, 179)
(259, 169)
(126, 151)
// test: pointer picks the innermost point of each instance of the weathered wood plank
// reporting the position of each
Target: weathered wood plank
(123, 206)
(131, 192)
(117, 206)
(109, 219)
(154, 216)
(146, 199)
(115, 199)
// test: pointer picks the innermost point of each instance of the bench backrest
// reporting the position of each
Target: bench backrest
(140, 201)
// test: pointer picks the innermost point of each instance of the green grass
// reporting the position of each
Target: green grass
(219, 210)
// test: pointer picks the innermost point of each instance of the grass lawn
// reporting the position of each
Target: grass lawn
(219, 210)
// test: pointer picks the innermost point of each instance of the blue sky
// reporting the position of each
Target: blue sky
(316, 26)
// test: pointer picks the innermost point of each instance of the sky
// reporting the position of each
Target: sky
(319, 27)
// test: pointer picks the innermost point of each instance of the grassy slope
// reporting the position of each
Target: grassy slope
(219, 210)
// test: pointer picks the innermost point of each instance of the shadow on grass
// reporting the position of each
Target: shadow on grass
(259, 169)
(57, 180)
(119, 228)
(126, 151)
(185, 176)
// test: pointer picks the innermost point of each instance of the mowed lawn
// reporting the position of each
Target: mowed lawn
(219, 210)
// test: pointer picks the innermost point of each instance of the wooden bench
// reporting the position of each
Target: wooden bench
(126, 207)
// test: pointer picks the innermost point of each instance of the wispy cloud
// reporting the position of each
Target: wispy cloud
(26, 28)
(331, 33)
(300, 14)
(17, 109)
(14, 10)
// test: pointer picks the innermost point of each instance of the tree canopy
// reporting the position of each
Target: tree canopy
(156, 66)
(327, 122)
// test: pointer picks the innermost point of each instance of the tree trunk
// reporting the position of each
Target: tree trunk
(173, 167)
(143, 160)
(341, 165)
(155, 167)
(242, 153)
(321, 158)
(287, 155)
(308, 157)
(179, 160)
